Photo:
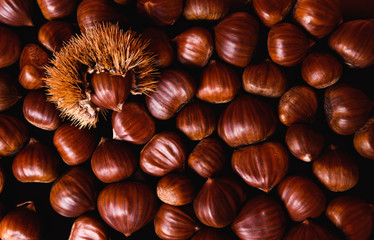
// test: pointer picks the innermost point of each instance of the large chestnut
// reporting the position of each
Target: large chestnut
(54, 34)
(176, 189)
(13, 135)
(272, 12)
(363, 139)
(16, 12)
(52, 9)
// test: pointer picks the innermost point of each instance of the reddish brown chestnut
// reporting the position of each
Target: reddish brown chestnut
(207, 158)
(302, 198)
(16, 12)
(127, 206)
(206, 9)
(52, 9)
(246, 120)
(74, 193)
(175, 223)
(162, 12)
(273, 11)
(10, 47)
(113, 161)
(352, 215)
(88, 227)
(261, 166)
(363, 140)
(346, 108)
(9, 93)
(13, 135)
(54, 34)
(159, 44)
(309, 230)
(260, 218)
(175, 189)
(287, 44)
(219, 83)
(164, 153)
(298, 105)
(236, 38)
(264, 79)
(218, 201)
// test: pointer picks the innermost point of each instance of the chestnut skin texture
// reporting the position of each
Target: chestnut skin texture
(363, 140)
(13, 135)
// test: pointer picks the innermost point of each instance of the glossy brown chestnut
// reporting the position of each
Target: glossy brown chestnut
(113, 161)
(74, 193)
(176, 189)
(354, 42)
(127, 206)
(9, 93)
(309, 230)
(206, 9)
(164, 153)
(346, 108)
(52, 9)
(236, 38)
(321, 70)
(196, 120)
(318, 17)
(363, 140)
(13, 135)
(302, 197)
(16, 12)
(133, 124)
(207, 158)
(194, 47)
(35, 163)
(336, 169)
(21, 223)
(264, 79)
(304, 142)
(218, 201)
(260, 218)
(261, 166)
(273, 11)
(159, 43)
(88, 227)
(162, 12)
(352, 215)
(175, 223)
(31, 77)
(39, 112)
(212, 234)
(219, 83)
(10, 47)
(68, 141)
(174, 90)
(298, 105)
(246, 120)
(53, 34)
(287, 44)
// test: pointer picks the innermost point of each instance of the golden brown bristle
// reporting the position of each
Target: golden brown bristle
(105, 47)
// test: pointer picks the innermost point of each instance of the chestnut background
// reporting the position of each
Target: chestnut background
(58, 227)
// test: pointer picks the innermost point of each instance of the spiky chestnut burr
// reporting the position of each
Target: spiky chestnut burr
(106, 50)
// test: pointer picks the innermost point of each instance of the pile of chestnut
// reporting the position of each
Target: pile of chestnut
(261, 125)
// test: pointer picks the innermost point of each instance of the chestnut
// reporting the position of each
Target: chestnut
(310, 230)
(363, 139)
(88, 226)
(162, 12)
(9, 93)
(52, 9)
(273, 11)
(13, 135)
(16, 12)
(205, 9)
(10, 47)
(176, 189)
(159, 43)
(53, 34)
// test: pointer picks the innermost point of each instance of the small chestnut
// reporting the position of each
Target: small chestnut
(13, 135)
(363, 140)
(176, 189)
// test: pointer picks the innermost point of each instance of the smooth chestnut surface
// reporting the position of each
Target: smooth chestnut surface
(273, 11)
(35, 163)
(127, 206)
(53, 34)
(336, 169)
(196, 120)
(9, 93)
(352, 215)
(219, 83)
(176, 189)
(246, 120)
(310, 230)
(31, 77)
(261, 218)
(321, 69)
(218, 201)
(175, 223)
(164, 153)
(205, 10)
(208, 157)
(88, 226)
(161, 12)
(13, 135)
(287, 44)
(318, 17)
(304, 142)
(236, 38)
(68, 141)
(133, 124)
(33, 54)
(113, 160)
(74, 193)
(16, 12)
(346, 108)
(298, 105)
(159, 43)
(261, 166)
(40, 112)
(10, 47)
(354, 42)
(175, 89)
(264, 79)
(363, 140)
(52, 9)
(302, 197)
